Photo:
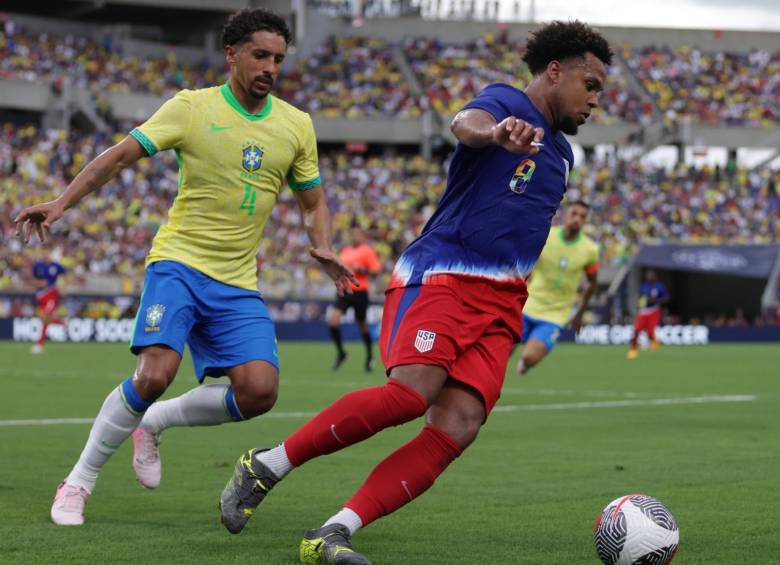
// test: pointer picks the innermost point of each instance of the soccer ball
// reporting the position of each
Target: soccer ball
(636, 530)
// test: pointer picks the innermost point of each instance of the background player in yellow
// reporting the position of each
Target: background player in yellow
(236, 144)
(552, 290)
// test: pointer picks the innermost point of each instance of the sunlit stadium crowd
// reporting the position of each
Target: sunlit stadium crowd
(361, 77)
(390, 193)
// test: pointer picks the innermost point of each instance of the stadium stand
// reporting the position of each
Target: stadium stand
(716, 88)
(390, 191)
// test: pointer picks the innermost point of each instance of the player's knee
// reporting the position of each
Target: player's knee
(151, 382)
(461, 423)
(156, 370)
(256, 396)
(464, 429)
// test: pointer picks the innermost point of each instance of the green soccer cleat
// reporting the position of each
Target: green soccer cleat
(250, 483)
(330, 545)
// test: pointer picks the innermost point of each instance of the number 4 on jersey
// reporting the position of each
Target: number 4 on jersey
(249, 199)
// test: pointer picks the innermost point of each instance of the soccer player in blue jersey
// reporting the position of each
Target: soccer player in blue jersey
(652, 295)
(236, 145)
(454, 304)
(46, 272)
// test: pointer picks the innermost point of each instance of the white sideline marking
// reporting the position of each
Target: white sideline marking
(625, 403)
(509, 408)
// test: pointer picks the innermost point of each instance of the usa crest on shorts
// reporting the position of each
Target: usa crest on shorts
(154, 315)
(424, 341)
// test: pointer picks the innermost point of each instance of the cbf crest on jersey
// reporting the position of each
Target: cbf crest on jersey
(154, 315)
(252, 158)
(522, 176)
(424, 341)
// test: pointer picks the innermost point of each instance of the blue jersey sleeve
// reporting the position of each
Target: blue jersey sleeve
(39, 271)
(492, 99)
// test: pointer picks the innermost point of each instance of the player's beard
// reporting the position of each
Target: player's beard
(569, 125)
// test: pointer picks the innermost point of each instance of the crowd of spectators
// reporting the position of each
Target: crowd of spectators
(96, 66)
(109, 232)
(715, 88)
(391, 194)
(632, 203)
(452, 74)
(350, 77)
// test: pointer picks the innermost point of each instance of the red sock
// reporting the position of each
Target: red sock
(42, 339)
(634, 340)
(353, 418)
(404, 475)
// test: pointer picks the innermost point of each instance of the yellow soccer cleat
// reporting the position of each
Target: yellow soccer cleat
(632, 354)
(330, 545)
(656, 345)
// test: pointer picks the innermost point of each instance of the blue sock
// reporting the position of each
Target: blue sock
(230, 403)
(132, 399)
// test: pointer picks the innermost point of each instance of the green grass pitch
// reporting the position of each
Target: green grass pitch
(696, 427)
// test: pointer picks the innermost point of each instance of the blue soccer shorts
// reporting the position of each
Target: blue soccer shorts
(546, 332)
(223, 325)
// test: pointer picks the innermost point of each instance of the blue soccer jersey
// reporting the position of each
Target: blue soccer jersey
(493, 219)
(651, 295)
(48, 271)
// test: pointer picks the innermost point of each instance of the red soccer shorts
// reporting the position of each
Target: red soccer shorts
(465, 325)
(647, 321)
(48, 300)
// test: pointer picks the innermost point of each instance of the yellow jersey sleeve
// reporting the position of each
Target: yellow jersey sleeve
(304, 173)
(168, 126)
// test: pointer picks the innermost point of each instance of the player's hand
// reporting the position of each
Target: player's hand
(39, 217)
(516, 136)
(338, 271)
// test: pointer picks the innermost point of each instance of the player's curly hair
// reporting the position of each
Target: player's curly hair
(241, 25)
(558, 40)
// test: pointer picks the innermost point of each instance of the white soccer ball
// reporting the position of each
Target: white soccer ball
(636, 530)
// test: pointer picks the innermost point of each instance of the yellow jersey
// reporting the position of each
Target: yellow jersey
(552, 290)
(232, 166)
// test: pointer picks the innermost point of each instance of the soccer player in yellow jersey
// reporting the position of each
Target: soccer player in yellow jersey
(236, 145)
(552, 290)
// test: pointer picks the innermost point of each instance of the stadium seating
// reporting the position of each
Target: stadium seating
(453, 74)
(716, 88)
(393, 195)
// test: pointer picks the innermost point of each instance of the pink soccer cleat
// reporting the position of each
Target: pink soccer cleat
(68, 507)
(146, 458)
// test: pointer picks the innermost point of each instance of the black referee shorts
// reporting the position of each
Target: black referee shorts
(357, 300)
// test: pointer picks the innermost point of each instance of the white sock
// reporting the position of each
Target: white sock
(202, 406)
(347, 517)
(113, 425)
(276, 460)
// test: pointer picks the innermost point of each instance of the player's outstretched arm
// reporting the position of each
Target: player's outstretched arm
(316, 220)
(478, 128)
(576, 320)
(97, 173)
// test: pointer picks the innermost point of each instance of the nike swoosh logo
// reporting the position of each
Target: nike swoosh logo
(333, 431)
(215, 127)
